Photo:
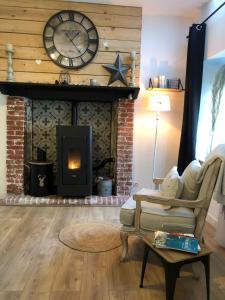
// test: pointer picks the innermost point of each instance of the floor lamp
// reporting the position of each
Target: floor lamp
(157, 103)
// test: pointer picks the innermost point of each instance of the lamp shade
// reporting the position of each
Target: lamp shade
(159, 103)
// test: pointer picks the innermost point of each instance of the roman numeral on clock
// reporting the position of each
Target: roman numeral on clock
(90, 29)
(53, 26)
(71, 16)
(49, 38)
(59, 17)
(90, 51)
(51, 49)
(59, 59)
(70, 62)
(93, 41)
(81, 20)
(83, 62)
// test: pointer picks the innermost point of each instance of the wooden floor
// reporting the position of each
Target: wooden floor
(35, 265)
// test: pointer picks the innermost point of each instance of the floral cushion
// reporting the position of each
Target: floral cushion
(172, 185)
(189, 178)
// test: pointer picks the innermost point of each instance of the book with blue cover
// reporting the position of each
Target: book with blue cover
(176, 241)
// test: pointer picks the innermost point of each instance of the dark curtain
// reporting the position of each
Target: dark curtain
(193, 83)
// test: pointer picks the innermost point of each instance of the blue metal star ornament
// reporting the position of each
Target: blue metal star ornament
(118, 71)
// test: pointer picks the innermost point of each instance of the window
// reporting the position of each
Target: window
(205, 140)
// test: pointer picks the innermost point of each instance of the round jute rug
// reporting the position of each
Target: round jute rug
(91, 237)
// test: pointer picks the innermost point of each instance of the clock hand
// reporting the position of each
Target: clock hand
(75, 35)
(73, 42)
(76, 47)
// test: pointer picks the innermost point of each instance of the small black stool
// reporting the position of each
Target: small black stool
(173, 261)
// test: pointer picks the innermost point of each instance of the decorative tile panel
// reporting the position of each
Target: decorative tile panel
(46, 115)
(99, 117)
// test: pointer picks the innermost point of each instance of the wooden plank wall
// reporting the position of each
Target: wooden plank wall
(22, 23)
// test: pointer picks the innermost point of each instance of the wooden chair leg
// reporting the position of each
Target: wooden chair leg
(124, 239)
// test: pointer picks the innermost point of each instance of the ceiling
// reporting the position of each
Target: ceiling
(159, 7)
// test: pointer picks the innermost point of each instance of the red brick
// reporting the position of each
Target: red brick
(124, 147)
(15, 144)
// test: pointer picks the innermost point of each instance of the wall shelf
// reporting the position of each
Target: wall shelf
(161, 84)
(165, 90)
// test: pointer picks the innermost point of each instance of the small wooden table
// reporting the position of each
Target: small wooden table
(172, 261)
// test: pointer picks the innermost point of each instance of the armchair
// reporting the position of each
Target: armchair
(146, 212)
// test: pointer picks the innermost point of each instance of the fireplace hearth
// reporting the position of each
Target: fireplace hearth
(74, 160)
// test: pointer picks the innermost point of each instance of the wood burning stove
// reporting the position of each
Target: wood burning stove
(74, 160)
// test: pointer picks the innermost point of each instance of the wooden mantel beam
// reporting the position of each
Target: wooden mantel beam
(43, 91)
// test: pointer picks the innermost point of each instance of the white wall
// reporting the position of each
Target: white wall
(163, 51)
(215, 42)
(3, 146)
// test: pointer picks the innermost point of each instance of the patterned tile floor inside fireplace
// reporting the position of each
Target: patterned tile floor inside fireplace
(27, 200)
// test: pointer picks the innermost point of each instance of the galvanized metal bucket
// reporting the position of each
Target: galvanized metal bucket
(104, 187)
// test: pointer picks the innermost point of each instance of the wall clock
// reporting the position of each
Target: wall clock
(70, 39)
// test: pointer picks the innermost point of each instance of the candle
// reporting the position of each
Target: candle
(155, 82)
(132, 54)
(162, 81)
(9, 47)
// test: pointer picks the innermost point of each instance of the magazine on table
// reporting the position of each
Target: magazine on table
(176, 241)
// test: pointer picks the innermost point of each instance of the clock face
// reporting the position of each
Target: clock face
(70, 39)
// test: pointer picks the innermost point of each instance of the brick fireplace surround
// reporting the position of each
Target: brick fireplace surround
(16, 142)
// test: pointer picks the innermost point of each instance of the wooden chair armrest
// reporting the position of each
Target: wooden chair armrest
(145, 195)
(200, 203)
(137, 216)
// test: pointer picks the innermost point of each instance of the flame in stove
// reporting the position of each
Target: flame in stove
(74, 159)
(73, 164)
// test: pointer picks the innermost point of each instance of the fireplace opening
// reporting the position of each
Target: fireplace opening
(111, 143)
(74, 160)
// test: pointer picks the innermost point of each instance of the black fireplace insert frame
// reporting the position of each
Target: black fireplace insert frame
(77, 182)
